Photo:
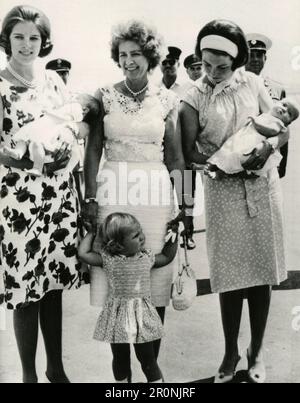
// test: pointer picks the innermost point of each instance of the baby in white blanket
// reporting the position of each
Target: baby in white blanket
(236, 150)
(44, 136)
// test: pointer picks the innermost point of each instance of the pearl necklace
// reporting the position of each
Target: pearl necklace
(135, 94)
(26, 83)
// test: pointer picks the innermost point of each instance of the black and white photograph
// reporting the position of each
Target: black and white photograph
(149, 194)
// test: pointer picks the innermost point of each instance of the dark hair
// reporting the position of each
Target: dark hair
(24, 14)
(91, 104)
(138, 32)
(231, 31)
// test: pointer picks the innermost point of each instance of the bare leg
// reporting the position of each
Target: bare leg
(51, 325)
(26, 332)
(231, 309)
(18, 152)
(259, 299)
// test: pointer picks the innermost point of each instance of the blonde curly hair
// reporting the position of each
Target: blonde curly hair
(145, 36)
(114, 229)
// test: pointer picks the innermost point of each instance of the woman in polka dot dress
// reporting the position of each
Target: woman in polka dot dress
(243, 213)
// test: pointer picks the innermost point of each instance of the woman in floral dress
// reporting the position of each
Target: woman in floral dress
(38, 216)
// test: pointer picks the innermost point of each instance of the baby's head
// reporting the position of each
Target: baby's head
(122, 234)
(90, 106)
(286, 110)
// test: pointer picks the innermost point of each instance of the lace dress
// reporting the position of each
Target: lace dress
(243, 216)
(134, 178)
(128, 315)
(38, 216)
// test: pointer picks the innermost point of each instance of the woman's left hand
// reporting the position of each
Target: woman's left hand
(61, 159)
(258, 157)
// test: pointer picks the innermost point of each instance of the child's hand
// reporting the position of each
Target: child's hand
(172, 230)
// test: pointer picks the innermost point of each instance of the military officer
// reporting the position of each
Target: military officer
(259, 45)
(193, 66)
(62, 68)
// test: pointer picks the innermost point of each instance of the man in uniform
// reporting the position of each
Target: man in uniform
(193, 65)
(259, 45)
(169, 67)
(62, 68)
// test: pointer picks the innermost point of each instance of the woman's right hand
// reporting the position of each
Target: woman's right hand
(188, 222)
(61, 159)
(89, 212)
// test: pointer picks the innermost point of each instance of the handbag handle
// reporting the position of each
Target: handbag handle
(186, 258)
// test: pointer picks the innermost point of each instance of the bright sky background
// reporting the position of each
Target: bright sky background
(81, 31)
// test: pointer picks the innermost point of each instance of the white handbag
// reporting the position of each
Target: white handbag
(184, 288)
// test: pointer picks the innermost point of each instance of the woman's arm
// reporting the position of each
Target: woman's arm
(189, 118)
(4, 159)
(93, 152)
(86, 253)
(173, 154)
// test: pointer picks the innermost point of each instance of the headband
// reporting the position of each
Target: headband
(218, 42)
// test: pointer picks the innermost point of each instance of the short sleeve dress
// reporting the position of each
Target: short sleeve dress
(38, 216)
(128, 315)
(243, 216)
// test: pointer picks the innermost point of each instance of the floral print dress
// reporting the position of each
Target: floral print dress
(38, 216)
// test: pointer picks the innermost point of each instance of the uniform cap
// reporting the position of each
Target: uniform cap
(191, 60)
(258, 42)
(59, 65)
(174, 53)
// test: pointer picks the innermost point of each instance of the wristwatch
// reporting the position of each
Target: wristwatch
(89, 200)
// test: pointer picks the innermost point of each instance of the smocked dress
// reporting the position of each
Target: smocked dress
(38, 216)
(243, 216)
(134, 178)
(128, 315)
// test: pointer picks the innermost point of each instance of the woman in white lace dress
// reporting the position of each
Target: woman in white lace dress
(142, 146)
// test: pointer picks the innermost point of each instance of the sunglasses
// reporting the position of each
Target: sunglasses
(170, 62)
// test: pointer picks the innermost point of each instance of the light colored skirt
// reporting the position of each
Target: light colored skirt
(133, 188)
(244, 232)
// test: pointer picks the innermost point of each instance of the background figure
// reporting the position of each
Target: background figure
(169, 67)
(62, 68)
(193, 66)
(38, 216)
(137, 119)
(259, 45)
